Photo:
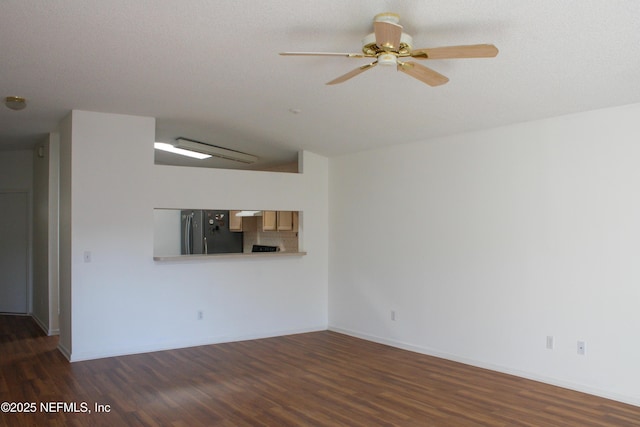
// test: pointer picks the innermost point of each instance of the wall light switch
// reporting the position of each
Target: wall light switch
(550, 342)
(87, 256)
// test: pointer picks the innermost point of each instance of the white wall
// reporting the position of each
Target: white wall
(53, 238)
(41, 236)
(16, 175)
(65, 227)
(487, 242)
(16, 170)
(45, 234)
(124, 302)
(166, 232)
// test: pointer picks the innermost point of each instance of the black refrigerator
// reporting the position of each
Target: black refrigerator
(207, 232)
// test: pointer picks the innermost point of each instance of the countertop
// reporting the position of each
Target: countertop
(227, 256)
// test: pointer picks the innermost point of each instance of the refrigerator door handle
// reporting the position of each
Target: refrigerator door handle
(206, 247)
(187, 234)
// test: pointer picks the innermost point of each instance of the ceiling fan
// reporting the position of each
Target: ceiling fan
(389, 45)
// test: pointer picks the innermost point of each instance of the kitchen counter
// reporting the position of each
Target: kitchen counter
(227, 256)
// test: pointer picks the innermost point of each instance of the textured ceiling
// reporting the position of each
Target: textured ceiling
(210, 70)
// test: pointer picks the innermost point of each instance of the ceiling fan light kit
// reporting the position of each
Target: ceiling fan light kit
(387, 44)
(387, 59)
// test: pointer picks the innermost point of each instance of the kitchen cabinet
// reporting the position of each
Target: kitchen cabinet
(279, 221)
(285, 221)
(235, 221)
(269, 221)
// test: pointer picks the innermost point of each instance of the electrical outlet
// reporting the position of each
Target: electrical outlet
(582, 348)
(550, 342)
(393, 315)
(200, 315)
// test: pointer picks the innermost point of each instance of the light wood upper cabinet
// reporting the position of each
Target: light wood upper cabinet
(279, 221)
(285, 220)
(269, 221)
(235, 221)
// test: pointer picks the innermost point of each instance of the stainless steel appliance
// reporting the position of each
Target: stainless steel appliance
(207, 232)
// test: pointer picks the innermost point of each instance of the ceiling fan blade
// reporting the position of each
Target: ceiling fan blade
(387, 35)
(348, 55)
(451, 52)
(422, 73)
(352, 73)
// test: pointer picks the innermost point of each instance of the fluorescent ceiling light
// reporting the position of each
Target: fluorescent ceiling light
(214, 150)
(171, 149)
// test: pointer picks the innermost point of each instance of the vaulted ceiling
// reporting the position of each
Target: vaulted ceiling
(210, 70)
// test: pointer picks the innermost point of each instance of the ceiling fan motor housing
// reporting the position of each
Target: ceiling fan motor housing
(369, 46)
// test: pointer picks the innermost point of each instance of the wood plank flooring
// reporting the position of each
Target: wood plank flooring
(314, 379)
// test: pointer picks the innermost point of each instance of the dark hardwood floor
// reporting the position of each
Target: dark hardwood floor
(314, 379)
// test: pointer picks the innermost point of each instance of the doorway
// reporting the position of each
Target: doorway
(14, 252)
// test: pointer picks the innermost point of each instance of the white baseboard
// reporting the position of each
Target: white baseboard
(528, 375)
(78, 357)
(40, 323)
(65, 351)
(44, 327)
